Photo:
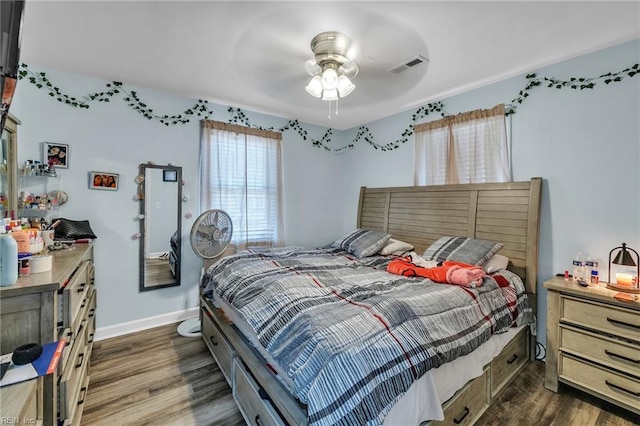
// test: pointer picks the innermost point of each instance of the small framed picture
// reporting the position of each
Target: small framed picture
(103, 180)
(55, 154)
(170, 175)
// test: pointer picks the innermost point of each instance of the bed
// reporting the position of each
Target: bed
(433, 387)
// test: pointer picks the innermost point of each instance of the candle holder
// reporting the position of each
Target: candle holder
(624, 257)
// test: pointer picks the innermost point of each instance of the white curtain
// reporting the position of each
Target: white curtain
(470, 147)
(240, 173)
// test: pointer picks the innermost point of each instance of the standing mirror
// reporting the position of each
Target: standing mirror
(160, 195)
(9, 167)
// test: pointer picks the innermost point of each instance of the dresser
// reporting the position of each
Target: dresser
(593, 342)
(56, 305)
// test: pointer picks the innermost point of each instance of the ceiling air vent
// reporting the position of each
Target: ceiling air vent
(410, 63)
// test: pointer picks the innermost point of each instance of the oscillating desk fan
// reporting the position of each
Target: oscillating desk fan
(210, 236)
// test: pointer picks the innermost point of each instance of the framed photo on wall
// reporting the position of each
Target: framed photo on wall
(103, 180)
(55, 154)
(169, 175)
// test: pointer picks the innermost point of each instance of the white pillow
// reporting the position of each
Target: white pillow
(395, 247)
(496, 263)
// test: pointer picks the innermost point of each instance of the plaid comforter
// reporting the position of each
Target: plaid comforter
(352, 337)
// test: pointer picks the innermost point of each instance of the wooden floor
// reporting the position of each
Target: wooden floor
(156, 377)
(158, 272)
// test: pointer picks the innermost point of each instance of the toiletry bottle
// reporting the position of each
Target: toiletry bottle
(8, 259)
(578, 267)
(22, 238)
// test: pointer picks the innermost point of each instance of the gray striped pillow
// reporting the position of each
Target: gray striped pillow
(460, 249)
(362, 242)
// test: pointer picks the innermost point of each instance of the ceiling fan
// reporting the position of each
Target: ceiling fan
(331, 68)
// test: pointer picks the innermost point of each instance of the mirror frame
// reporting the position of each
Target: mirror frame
(142, 197)
(11, 127)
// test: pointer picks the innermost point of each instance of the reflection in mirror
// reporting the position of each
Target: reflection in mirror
(160, 194)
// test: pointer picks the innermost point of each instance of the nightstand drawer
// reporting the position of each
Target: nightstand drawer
(468, 403)
(622, 389)
(601, 349)
(610, 319)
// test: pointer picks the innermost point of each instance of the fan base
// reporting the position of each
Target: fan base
(189, 328)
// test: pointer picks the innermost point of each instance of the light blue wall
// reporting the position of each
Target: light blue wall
(111, 137)
(585, 144)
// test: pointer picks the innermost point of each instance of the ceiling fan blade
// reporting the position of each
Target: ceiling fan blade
(349, 68)
(312, 67)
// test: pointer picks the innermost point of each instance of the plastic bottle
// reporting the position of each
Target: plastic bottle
(578, 267)
(592, 272)
(22, 238)
(8, 259)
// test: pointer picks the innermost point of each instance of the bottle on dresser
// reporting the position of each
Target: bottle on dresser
(592, 273)
(578, 267)
(8, 258)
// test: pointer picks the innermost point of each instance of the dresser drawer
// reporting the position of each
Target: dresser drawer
(468, 403)
(609, 319)
(91, 316)
(77, 414)
(622, 389)
(74, 297)
(72, 377)
(255, 410)
(601, 349)
(508, 363)
(218, 345)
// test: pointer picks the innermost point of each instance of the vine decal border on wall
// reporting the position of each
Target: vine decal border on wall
(201, 108)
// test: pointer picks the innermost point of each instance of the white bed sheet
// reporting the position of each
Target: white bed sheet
(423, 400)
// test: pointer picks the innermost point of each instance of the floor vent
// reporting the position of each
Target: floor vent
(410, 63)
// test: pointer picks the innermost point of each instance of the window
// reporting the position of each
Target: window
(466, 148)
(241, 174)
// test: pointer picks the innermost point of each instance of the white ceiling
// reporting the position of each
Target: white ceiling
(251, 54)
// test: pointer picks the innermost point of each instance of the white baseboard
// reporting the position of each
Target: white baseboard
(144, 324)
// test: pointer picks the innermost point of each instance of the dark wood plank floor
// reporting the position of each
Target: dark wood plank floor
(156, 377)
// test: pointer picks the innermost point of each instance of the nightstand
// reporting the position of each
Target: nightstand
(593, 342)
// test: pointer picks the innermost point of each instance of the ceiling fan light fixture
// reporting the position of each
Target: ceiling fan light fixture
(314, 88)
(329, 79)
(345, 86)
(330, 95)
(330, 68)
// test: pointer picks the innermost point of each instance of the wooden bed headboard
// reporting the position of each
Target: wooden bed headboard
(505, 212)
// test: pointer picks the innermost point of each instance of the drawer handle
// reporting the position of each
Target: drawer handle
(512, 359)
(620, 388)
(84, 394)
(92, 312)
(84, 303)
(258, 421)
(90, 340)
(613, 354)
(618, 322)
(213, 341)
(81, 358)
(81, 287)
(459, 420)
